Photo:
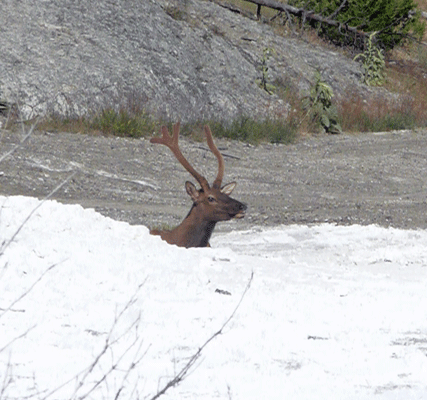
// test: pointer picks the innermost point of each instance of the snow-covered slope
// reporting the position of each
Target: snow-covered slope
(331, 313)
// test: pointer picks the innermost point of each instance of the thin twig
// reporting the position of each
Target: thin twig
(136, 360)
(17, 338)
(223, 154)
(7, 379)
(83, 375)
(180, 376)
(9, 241)
(17, 146)
(10, 307)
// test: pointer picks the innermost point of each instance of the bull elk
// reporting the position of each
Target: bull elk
(210, 204)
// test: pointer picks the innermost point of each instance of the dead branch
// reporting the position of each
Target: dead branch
(234, 9)
(17, 338)
(16, 147)
(180, 376)
(7, 379)
(309, 15)
(83, 377)
(25, 293)
(12, 238)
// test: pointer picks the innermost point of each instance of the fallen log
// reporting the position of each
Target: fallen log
(305, 14)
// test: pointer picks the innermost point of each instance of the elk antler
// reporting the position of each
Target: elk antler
(214, 149)
(172, 143)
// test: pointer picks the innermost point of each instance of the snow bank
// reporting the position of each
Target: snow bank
(332, 312)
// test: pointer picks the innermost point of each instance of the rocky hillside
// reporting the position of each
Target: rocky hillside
(186, 59)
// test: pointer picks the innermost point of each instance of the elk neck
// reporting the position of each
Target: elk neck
(194, 230)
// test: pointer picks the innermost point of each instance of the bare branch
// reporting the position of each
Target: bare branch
(16, 147)
(181, 375)
(10, 307)
(17, 338)
(7, 379)
(9, 241)
(83, 375)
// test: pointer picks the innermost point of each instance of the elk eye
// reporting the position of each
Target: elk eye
(211, 199)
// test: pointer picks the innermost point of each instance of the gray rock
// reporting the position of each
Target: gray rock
(182, 59)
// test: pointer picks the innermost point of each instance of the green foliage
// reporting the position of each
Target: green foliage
(318, 104)
(126, 124)
(252, 131)
(123, 123)
(263, 82)
(373, 65)
(390, 122)
(394, 20)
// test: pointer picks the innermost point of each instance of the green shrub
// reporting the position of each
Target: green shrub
(264, 81)
(373, 65)
(389, 122)
(252, 131)
(123, 123)
(319, 107)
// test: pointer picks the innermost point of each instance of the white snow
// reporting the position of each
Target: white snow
(332, 312)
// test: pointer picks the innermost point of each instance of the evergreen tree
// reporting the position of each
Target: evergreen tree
(394, 20)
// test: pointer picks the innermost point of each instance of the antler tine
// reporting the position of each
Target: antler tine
(172, 143)
(218, 155)
(166, 138)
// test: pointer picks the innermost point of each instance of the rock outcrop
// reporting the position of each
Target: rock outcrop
(182, 59)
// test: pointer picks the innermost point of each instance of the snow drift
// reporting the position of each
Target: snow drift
(95, 308)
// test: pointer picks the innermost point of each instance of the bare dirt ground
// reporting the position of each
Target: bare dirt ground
(346, 179)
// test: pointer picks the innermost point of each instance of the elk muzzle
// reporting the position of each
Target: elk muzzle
(241, 211)
(237, 210)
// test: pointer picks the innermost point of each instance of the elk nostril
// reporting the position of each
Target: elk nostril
(242, 207)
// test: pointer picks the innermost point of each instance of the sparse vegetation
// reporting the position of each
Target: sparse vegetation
(264, 81)
(422, 55)
(123, 123)
(319, 107)
(358, 115)
(404, 66)
(252, 131)
(176, 12)
(110, 122)
(405, 74)
(373, 64)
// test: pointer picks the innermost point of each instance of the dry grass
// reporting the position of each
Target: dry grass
(124, 122)
(422, 4)
(59, 124)
(407, 79)
(379, 115)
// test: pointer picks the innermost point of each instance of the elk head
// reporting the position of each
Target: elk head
(210, 204)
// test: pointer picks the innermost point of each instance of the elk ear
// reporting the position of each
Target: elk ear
(228, 188)
(192, 191)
